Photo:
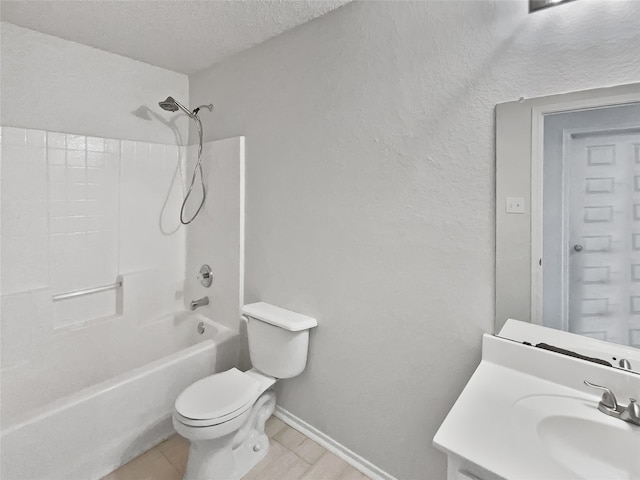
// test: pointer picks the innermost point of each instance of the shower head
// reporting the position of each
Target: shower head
(169, 105)
(172, 105)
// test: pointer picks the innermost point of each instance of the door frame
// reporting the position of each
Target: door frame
(538, 113)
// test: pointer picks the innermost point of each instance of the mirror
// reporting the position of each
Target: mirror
(568, 215)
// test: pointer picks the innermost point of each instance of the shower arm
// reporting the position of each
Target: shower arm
(194, 113)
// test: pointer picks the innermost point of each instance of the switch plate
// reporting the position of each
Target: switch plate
(515, 205)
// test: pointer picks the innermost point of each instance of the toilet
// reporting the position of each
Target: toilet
(223, 415)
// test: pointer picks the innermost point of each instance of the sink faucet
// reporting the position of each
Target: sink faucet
(609, 406)
(624, 363)
(632, 413)
(201, 302)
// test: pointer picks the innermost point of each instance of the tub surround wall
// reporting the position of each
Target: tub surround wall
(216, 237)
(76, 212)
(53, 84)
(370, 186)
(79, 211)
(107, 359)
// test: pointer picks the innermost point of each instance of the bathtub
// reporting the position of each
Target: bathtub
(87, 434)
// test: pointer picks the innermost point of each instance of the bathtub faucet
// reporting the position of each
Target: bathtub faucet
(201, 302)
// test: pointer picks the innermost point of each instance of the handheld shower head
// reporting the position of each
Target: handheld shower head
(169, 105)
(172, 105)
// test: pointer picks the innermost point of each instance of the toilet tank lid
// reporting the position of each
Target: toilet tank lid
(280, 317)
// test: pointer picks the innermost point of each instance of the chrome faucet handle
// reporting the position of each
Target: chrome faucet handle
(624, 363)
(632, 413)
(608, 400)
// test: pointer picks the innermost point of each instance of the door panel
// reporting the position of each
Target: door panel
(603, 199)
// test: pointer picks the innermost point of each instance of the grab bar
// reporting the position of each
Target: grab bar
(87, 291)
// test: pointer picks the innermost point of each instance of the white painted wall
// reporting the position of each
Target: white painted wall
(53, 84)
(370, 192)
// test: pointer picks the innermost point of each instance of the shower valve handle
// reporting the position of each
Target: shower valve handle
(206, 276)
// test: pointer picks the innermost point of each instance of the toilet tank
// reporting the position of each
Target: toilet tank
(278, 339)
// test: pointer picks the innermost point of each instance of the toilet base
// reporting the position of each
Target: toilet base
(231, 456)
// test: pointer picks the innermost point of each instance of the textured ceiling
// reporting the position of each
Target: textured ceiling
(182, 35)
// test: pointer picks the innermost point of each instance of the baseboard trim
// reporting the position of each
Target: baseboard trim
(339, 450)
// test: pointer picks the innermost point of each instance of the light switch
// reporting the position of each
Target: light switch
(515, 205)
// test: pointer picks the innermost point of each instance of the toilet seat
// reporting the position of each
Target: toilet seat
(211, 422)
(217, 398)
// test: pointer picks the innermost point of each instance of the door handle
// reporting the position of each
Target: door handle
(577, 247)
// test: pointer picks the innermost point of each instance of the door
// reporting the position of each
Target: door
(603, 199)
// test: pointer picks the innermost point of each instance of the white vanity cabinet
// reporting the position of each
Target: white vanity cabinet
(459, 469)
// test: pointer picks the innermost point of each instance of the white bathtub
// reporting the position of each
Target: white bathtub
(90, 433)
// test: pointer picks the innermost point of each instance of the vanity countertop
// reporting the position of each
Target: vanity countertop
(517, 395)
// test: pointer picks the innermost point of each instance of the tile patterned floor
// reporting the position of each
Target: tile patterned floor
(292, 456)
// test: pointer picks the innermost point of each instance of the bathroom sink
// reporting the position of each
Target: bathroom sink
(526, 414)
(578, 437)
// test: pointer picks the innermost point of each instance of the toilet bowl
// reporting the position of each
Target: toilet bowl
(223, 418)
(223, 415)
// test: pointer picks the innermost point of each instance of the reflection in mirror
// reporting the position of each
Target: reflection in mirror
(576, 346)
(568, 219)
(591, 223)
